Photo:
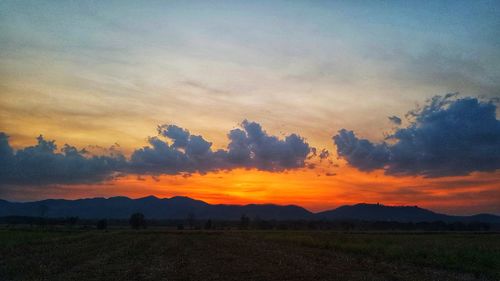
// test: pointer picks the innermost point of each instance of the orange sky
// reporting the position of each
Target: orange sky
(310, 188)
(97, 74)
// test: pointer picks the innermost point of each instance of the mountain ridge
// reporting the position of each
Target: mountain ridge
(179, 207)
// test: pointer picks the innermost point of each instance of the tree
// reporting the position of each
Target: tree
(191, 219)
(137, 221)
(102, 224)
(244, 222)
(72, 221)
(43, 209)
(208, 224)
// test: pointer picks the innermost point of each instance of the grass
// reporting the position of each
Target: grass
(462, 252)
(246, 255)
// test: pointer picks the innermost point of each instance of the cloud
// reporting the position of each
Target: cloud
(174, 151)
(361, 153)
(324, 154)
(449, 136)
(249, 147)
(44, 164)
(395, 120)
(268, 152)
(177, 134)
(441, 66)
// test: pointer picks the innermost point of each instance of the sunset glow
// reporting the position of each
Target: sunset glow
(256, 91)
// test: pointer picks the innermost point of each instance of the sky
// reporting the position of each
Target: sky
(318, 104)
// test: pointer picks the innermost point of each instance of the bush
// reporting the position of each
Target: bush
(208, 224)
(102, 224)
(71, 221)
(137, 221)
(244, 222)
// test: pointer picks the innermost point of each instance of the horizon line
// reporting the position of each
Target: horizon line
(260, 204)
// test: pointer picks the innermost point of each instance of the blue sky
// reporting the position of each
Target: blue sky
(96, 73)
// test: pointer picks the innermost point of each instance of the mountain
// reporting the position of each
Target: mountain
(371, 212)
(180, 207)
(152, 207)
(378, 212)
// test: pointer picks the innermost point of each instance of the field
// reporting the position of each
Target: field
(246, 255)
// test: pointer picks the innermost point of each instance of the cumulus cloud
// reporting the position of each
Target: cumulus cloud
(361, 153)
(44, 164)
(175, 133)
(249, 147)
(449, 136)
(174, 151)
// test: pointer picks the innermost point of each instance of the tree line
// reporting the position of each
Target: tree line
(139, 221)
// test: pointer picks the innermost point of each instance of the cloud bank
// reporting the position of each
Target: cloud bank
(174, 151)
(249, 147)
(447, 137)
(43, 164)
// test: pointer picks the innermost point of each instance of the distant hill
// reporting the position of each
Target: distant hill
(378, 212)
(152, 207)
(180, 207)
(372, 212)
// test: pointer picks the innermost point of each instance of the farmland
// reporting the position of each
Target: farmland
(160, 254)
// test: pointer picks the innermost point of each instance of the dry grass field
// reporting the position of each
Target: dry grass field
(246, 255)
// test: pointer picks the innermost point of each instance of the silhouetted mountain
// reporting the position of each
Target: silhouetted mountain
(180, 207)
(482, 218)
(151, 207)
(378, 212)
(371, 212)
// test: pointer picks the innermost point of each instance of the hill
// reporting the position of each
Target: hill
(152, 207)
(180, 207)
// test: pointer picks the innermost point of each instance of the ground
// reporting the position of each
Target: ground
(246, 255)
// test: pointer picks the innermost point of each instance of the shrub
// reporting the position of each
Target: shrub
(102, 224)
(137, 221)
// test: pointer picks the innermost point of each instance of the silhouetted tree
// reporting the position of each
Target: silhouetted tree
(191, 219)
(256, 222)
(72, 221)
(346, 225)
(137, 221)
(208, 224)
(244, 222)
(102, 224)
(43, 209)
(180, 226)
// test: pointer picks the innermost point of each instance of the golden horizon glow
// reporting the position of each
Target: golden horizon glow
(96, 74)
(312, 189)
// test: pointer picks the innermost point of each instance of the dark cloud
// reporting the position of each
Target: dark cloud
(324, 154)
(44, 164)
(447, 137)
(395, 120)
(268, 152)
(249, 147)
(361, 153)
(175, 133)
(174, 151)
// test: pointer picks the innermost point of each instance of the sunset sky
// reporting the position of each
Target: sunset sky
(314, 103)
